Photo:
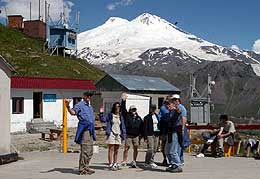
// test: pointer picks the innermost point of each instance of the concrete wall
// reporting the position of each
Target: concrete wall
(4, 110)
(155, 97)
(52, 111)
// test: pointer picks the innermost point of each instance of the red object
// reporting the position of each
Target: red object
(51, 83)
(15, 21)
(35, 28)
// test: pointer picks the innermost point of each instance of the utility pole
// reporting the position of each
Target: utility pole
(64, 129)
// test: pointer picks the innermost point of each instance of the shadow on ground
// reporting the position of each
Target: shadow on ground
(62, 170)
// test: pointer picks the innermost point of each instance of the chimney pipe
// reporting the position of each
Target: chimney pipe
(30, 11)
(45, 13)
(39, 10)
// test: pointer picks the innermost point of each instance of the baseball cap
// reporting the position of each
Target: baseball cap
(132, 107)
(176, 96)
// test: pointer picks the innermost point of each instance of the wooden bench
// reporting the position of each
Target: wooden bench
(56, 131)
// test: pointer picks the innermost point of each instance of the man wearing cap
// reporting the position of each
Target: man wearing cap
(183, 136)
(177, 121)
(134, 129)
(151, 136)
(85, 132)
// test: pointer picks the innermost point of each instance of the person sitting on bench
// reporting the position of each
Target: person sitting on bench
(225, 133)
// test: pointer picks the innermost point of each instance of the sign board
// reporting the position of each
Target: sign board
(49, 97)
(142, 104)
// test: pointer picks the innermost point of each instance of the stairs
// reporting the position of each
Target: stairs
(38, 125)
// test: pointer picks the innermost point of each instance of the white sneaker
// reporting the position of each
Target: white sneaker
(110, 166)
(210, 141)
(123, 164)
(133, 164)
(115, 167)
(200, 155)
(153, 165)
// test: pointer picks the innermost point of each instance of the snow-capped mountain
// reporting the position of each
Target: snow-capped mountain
(149, 45)
(121, 41)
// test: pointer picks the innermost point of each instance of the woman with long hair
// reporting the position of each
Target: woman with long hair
(115, 132)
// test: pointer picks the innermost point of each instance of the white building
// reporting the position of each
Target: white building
(5, 83)
(112, 86)
(33, 98)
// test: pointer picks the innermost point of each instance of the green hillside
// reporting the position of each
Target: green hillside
(26, 55)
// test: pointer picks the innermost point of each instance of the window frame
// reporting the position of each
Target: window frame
(18, 104)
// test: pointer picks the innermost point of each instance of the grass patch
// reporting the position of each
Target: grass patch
(26, 55)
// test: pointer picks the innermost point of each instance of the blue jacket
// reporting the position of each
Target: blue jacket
(86, 117)
(109, 122)
(83, 126)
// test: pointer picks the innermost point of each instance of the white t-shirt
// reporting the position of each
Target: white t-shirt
(155, 123)
(116, 124)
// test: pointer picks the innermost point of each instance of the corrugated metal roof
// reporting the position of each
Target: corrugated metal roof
(144, 83)
(51, 83)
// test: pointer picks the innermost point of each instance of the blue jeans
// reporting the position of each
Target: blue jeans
(172, 150)
(180, 153)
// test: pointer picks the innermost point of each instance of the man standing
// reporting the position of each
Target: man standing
(163, 126)
(176, 119)
(181, 124)
(134, 129)
(151, 136)
(85, 132)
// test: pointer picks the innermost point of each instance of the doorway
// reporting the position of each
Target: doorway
(37, 105)
(160, 102)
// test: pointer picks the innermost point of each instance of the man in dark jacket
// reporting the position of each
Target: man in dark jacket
(163, 126)
(174, 131)
(134, 130)
(151, 136)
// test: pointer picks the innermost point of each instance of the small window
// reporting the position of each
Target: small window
(18, 105)
(76, 100)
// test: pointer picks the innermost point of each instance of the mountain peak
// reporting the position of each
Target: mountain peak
(115, 21)
(148, 19)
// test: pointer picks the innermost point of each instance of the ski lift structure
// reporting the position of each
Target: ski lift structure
(62, 36)
(200, 104)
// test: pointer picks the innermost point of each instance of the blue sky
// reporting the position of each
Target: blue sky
(225, 22)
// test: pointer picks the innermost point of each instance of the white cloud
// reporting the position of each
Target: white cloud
(22, 7)
(235, 47)
(113, 6)
(256, 46)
